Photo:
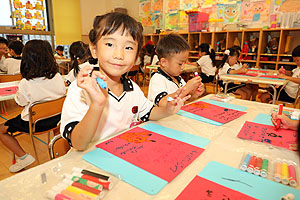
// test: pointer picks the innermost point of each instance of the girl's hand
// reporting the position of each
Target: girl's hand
(89, 83)
(286, 123)
(174, 106)
(192, 84)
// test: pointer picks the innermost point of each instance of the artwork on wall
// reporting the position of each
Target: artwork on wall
(183, 20)
(172, 5)
(144, 12)
(255, 10)
(157, 21)
(156, 6)
(172, 21)
(188, 4)
(229, 12)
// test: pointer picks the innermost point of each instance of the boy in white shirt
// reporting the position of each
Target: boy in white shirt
(3, 50)
(12, 65)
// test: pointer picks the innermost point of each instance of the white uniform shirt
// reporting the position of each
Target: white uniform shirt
(119, 112)
(12, 65)
(237, 66)
(161, 84)
(2, 63)
(206, 65)
(155, 60)
(291, 88)
(38, 89)
(70, 77)
(225, 69)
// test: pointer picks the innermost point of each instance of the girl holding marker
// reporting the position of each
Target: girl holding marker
(207, 62)
(91, 112)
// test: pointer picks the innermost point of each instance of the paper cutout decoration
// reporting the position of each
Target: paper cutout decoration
(8, 90)
(172, 21)
(213, 112)
(229, 12)
(201, 188)
(147, 150)
(268, 134)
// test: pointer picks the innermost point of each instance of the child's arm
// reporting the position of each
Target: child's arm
(85, 130)
(239, 71)
(172, 107)
(286, 123)
(290, 78)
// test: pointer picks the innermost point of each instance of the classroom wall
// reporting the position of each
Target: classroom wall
(67, 21)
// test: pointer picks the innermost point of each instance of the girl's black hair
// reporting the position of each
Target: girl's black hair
(111, 22)
(296, 52)
(150, 48)
(38, 60)
(17, 46)
(232, 52)
(204, 47)
(78, 51)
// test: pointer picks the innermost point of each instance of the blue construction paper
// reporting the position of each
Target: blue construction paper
(280, 79)
(177, 135)
(134, 175)
(217, 103)
(248, 184)
(263, 119)
(129, 173)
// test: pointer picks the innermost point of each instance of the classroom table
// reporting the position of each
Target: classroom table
(5, 85)
(224, 147)
(229, 78)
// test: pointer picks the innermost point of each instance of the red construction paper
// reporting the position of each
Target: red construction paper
(261, 71)
(269, 76)
(249, 74)
(162, 156)
(201, 188)
(268, 134)
(213, 112)
(8, 90)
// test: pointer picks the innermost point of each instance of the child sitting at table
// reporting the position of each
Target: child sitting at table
(3, 50)
(41, 81)
(207, 63)
(173, 51)
(80, 56)
(59, 54)
(12, 65)
(227, 67)
(289, 93)
(102, 103)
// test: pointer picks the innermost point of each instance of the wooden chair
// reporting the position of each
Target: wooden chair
(294, 104)
(58, 146)
(10, 77)
(39, 111)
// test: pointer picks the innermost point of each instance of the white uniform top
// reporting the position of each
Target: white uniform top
(291, 88)
(237, 66)
(70, 77)
(161, 84)
(155, 60)
(206, 65)
(225, 69)
(2, 63)
(39, 89)
(12, 65)
(118, 114)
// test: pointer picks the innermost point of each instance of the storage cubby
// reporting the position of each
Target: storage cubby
(193, 40)
(219, 41)
(146, 38)
(155, 38)
(206, 37)
(232, 36)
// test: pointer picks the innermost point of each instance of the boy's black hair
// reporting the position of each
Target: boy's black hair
(38, 60)
(204, 47)
(60, 48)
(3, 41)
(232, 52)
(111, 22)
(237, 48)
(296, 52)
(17, 46)
(171, 44)
(78, 51)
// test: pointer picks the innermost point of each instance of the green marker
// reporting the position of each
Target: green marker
(264, 168)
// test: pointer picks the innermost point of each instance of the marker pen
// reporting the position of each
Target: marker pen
(83, 187)
(56, 196)
(83, 181)
(278, 121)
(170, 99)
(90, 173)
(251, 164)
(62, 190)
(245, 163)
(196, 74)
(101, 83)
(106, 184)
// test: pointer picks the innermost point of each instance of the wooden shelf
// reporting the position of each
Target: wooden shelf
(287, 55)
(287, 63)
(268, 54)
(250, 54)
(268, 62)
(250, 61)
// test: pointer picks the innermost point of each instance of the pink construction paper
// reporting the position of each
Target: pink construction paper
(8, 90)
(159, 155)
(201, 188)
(213, 112)
(268, 134)
(249, 74)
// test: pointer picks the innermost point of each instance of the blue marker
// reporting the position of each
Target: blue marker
(101, 83)
(170, 99)
(245, 164)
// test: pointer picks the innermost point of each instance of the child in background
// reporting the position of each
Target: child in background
(207, 63)
(228, 62)
(12, 65)
(41, 81)
(59, 54)
(3, 50)
(80, 55)
(289, 93)
(91, 112)
(173, 52)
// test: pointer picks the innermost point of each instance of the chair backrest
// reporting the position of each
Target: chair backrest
(58, 146)
(45, 109)
(10, 77)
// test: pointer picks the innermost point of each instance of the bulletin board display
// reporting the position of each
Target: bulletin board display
(29, 14)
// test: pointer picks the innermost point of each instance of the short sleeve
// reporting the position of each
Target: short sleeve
(145, 106)
(225, 69)
(21, 96)
(200, 61)
(74, 109)
(3, 67)
(157, 89)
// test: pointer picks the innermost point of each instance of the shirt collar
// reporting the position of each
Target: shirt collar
(17, 57)
(160, 71)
